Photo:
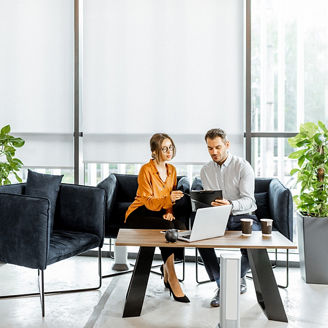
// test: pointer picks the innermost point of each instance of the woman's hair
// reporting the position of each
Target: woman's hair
(156, 145)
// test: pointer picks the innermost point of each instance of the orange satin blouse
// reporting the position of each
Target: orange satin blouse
(152, 191)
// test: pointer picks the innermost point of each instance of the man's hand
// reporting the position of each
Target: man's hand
(176, 195)
(168, 217)
(220, 202)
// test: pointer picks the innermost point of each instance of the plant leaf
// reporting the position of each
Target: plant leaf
(9, 164)
(309, 129)
(18, 142)
(5, 129)
(293, 171)
(322, 126)
(297, 154)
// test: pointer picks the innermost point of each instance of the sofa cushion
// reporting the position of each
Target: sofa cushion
(262, 203)
(45, 186)
(65, 244)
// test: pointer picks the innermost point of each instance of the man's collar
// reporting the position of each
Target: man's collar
(227, 161)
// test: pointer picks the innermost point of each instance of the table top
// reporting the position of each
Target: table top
(231, 239)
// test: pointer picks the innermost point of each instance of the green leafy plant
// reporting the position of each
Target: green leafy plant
(312, 158)
(8, 163)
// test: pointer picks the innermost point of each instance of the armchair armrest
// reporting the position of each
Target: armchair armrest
(17, 188)
(281, 208)
(183, 210)
(24, 233)
(197, 184)
(81, 208)
(109, 185)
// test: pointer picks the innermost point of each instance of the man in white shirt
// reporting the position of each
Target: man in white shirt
(235, 177)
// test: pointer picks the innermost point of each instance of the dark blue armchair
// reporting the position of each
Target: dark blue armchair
(26, 236)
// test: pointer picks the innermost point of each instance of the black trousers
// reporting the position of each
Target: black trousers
(143, 218)
(208, 255)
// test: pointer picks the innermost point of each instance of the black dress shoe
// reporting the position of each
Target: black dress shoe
(215, 302)
(243, 285)
(183, 299)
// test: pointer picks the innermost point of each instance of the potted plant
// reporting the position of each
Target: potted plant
(9, 164)
(312, 201)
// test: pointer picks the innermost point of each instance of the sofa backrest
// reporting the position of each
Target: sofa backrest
(127, 185)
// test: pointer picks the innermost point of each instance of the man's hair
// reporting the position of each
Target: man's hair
(214, 133)
(156, 145)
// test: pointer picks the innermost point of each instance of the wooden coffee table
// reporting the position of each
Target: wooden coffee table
(265, 284)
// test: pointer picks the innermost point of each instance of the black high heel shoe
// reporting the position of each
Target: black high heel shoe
(183, 299)
(166, 284)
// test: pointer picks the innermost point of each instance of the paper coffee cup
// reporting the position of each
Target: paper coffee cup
(246, 226)
(266, 227)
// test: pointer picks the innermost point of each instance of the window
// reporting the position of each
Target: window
(289, 77)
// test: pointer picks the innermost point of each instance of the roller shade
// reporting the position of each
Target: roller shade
(161, 66)
(36, 80)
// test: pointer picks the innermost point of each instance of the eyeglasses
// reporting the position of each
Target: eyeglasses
(166, 149)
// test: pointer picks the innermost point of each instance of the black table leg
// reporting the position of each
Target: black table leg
(266, 288)
(138, 283)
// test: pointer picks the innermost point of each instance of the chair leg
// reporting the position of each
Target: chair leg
(110, 249)
(42, 292)
(183, 267)
(287, 271)
(280, 286)
(196, 264)
(82, 289)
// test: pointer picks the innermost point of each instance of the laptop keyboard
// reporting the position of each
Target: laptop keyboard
(187, 236)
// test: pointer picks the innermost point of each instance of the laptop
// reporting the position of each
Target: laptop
(209, 222)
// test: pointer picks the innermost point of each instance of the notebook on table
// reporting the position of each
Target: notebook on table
(204, 198)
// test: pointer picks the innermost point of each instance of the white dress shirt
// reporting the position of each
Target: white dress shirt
(235, 177)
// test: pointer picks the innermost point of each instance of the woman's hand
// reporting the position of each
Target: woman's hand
(176, 195)
(168, 217)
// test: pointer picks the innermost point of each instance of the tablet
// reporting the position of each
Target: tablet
(205, 197)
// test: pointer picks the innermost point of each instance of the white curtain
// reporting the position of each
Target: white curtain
(36, 78)
(173, 66)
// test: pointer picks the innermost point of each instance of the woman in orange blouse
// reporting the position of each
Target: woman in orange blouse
(156, 203)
